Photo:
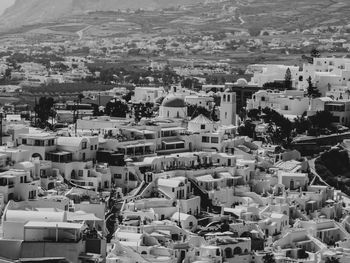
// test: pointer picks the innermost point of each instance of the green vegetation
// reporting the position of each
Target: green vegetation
(43, 58)
(288, 80)
(312, 91)
(143, 110)
(60, 88)
(269, 258)
(43, 110)
(117, 108)
(334, 166)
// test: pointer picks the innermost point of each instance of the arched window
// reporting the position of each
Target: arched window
(237, 251)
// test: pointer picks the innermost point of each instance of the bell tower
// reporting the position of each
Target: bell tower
(228, 108)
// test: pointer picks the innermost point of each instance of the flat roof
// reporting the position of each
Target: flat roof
(60, 225)
(172, 141)
(173, 129)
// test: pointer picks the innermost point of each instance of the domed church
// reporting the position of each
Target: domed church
(173, 107)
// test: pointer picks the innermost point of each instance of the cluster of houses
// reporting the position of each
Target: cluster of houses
(173, 188)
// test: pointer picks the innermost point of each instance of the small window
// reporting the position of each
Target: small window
(84, 145)
(117, 176)
(205, 139)
(24, 141)
(91, 147)
(214, 140)
(202, 126)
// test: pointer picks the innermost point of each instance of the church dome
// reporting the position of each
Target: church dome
(173, 102)
(242, 82)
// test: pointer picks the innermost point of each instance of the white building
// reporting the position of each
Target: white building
(265, 73)
(288, 102)
(147, 94)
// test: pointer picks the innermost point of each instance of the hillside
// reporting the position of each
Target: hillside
(202, 15)
(25, 12)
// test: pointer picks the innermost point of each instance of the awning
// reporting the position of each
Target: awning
(139, 145)
(173, 129)
(170, 142)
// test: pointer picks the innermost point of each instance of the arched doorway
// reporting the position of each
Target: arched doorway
(37, 155)
(51, 186)
(228, 252)
(291, 184)
(11, 196)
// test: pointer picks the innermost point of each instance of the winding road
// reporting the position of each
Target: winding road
(80, 33)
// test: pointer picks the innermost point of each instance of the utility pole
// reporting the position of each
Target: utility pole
(35, 104)
(1, 118)
(75, 118)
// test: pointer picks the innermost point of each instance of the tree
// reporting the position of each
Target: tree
(274, 85)
(288, 79)
(247, 129)
(312, 91)
(128, 96)
(284, 127)
(8, 73)
(142, 110)
(80, 97)
(315, 53)
(322, 119)
(332, 260)
(187, 83)
(269, 258)
(96, 110)
(302, 124)
(44, 110)
(117, 108)
(254, 114)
